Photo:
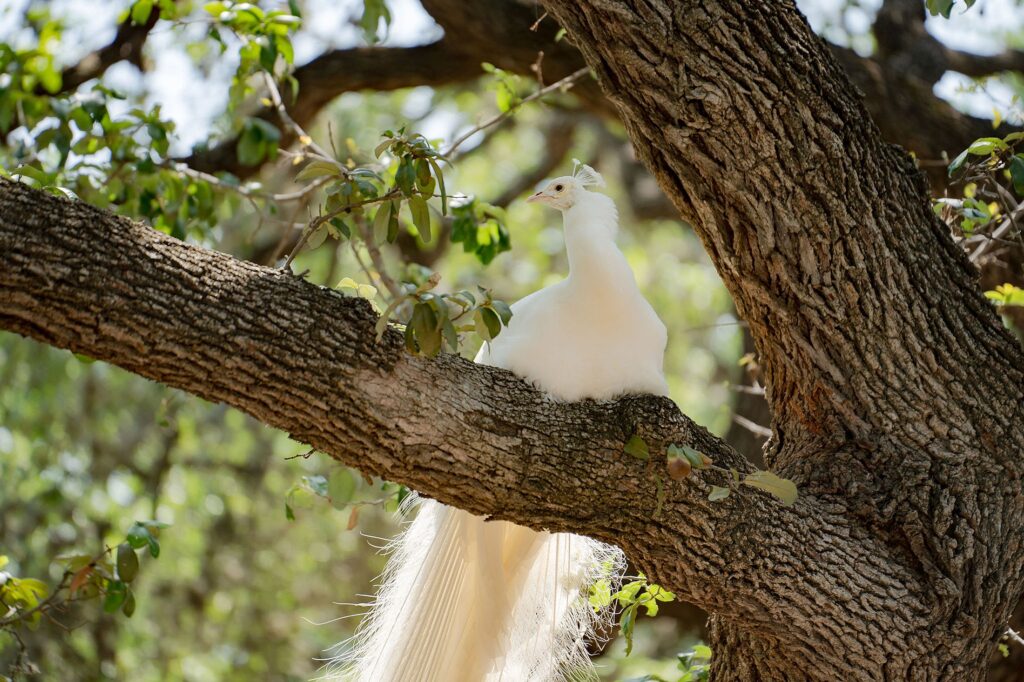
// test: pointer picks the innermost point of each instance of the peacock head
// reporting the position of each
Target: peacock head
(563, 193)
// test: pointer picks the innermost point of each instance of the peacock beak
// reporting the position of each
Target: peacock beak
(539, 196)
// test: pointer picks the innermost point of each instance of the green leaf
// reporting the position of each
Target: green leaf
(423, 177)
(318, 237)
(1017, 174)
(636, 447)
(958, 162)
(702, 651)
(660, 593)
(420, 216)
(696, 459)
(942, 7)
(986, 145)
(317, 169)
(450, 335)
(341, 486)
(127, 562)
(289, 513)
(129, 604)
(373, 12)
(380, 222)
(425, 325)
(141, 10)
(504, 311)
(782, 488)
(718, 493)
(487, 323)
(250, 147)
(405, 177)
(627, 595)
(396, 206)
(440, 182)
(138, 536)
(626, 624)
(600, 595)
(117, 592)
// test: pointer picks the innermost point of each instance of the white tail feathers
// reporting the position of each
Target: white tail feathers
(469, 600)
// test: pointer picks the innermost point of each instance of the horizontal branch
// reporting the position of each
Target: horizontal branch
(979, 66)
(495, 31)
(339, 71)
(126, 46)
(304, 359)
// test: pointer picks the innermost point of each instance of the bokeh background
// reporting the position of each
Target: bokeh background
(241, 591)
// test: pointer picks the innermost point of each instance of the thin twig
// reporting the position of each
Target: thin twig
(303, 455)
(753, 427)
(374, 279)
(1015, 636)
(378, 260)
(44, 605)
(315, 223)
(305, 140)
(286, 234)
(997, 234)
(736, 323)
(248, 192)
(563, 84)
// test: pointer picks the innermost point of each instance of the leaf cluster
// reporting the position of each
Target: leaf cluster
(629, 599)
(433, 322)
(108, 576)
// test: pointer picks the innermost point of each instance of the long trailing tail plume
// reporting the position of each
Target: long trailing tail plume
(469, 600)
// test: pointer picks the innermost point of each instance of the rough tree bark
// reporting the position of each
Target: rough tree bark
(304, 359)
(897, 395)
(861, 307)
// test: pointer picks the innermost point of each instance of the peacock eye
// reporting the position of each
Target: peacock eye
(558, 188)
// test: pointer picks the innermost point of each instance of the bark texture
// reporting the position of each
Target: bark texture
(896, 392)
(304, 359)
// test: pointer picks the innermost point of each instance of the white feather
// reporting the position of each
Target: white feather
(469, 600)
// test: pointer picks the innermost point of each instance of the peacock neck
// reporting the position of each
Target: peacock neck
(595, 262)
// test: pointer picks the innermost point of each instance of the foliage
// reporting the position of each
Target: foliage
(629, 598)
(681, 460)
(944, 7)
(1006, 295)
(108, 575)
(85, 448)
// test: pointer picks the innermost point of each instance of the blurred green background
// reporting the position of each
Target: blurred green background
(257, 574)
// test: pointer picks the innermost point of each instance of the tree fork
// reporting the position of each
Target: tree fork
(859, 303)
(304, 359)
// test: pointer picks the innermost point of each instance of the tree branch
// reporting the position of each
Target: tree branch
(495, 31)
(979, 66)
(825, 250)
(126, 46)
(303, 359)
(340, 71)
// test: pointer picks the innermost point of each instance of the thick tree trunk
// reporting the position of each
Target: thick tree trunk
(896, 393)
(304, 359)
